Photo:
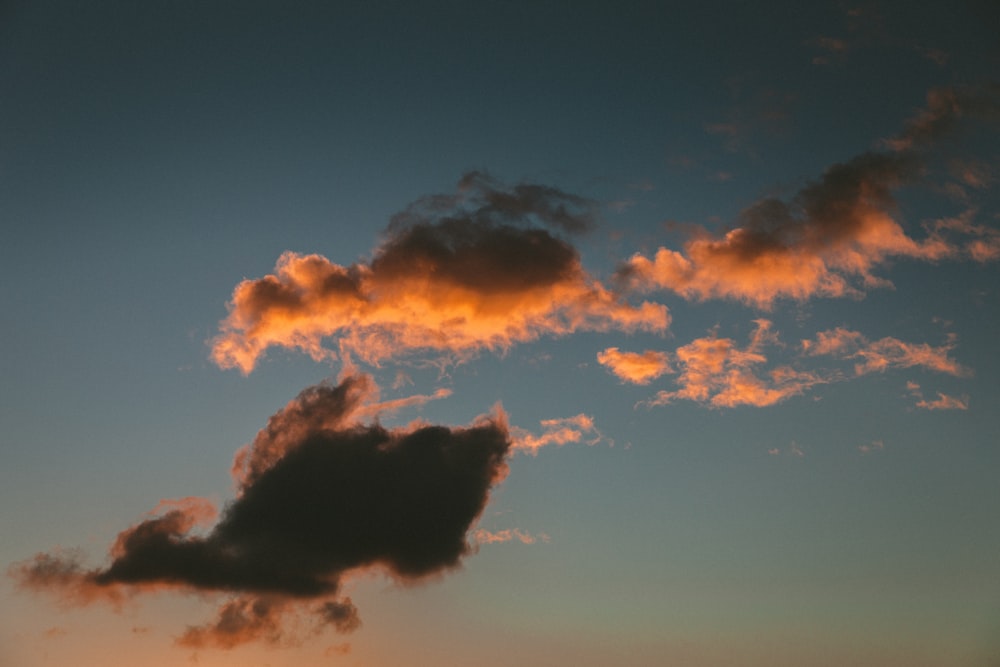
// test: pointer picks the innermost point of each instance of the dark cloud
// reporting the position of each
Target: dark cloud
(945, 108)
(484, 200)
(320, 496)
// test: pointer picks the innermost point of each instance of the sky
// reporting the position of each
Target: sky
(449, 333)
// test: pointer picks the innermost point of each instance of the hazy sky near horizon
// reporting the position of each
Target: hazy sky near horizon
(442, 333)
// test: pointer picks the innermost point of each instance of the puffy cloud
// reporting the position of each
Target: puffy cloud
(885, 353)
(635, 367)
(321, 495)
(826, 242)
(717, 372)
(454, 275)
(830, 238)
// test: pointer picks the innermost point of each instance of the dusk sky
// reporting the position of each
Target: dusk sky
(500, 333)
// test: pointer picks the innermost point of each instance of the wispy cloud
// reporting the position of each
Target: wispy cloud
(561, 431)
(885, 353)
(942, 402)
(718, 372)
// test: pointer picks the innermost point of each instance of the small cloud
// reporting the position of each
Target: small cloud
(337, 649)
(556, 432)
(635, 367)
(945, 402)
(873, 446)
(718, 372)
(483, 536)
(885, 353)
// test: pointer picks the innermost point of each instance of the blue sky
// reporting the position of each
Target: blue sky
(804, 196)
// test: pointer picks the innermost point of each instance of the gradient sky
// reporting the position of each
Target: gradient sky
(694, 305)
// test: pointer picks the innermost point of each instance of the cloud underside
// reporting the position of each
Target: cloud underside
(455, 274)
(320, 496)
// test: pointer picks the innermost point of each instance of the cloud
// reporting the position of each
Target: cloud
(945, 402)
(883, 354)
(827, 240)
(454, 275)
(483, 536)
(942, 402)
(874, 446)
(635, 367)
(320, 495)
(556, 432)
(717, 372)
(945, 108)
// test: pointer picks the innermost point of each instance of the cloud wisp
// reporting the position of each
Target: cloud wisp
(455, 274)
(831, 237)
(720, 373)
(320, 495)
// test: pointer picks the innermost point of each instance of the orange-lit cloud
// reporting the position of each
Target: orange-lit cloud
(717, 372)
(826, 242)
(635, 367)
(483, 536)
(885, 353)
(873, 446)
(321, 495)
(453, 275)
(942, 402)
(556, 432)
(833, 235)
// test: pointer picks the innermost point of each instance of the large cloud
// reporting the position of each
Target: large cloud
(454, 274)
(830, 238)
(320, 496)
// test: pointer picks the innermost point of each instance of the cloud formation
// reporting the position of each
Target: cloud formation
(717, 372)
(454, 274)
(320, 496)
(829, 239)
(557, 432)
(885, 353)
(635, 367)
